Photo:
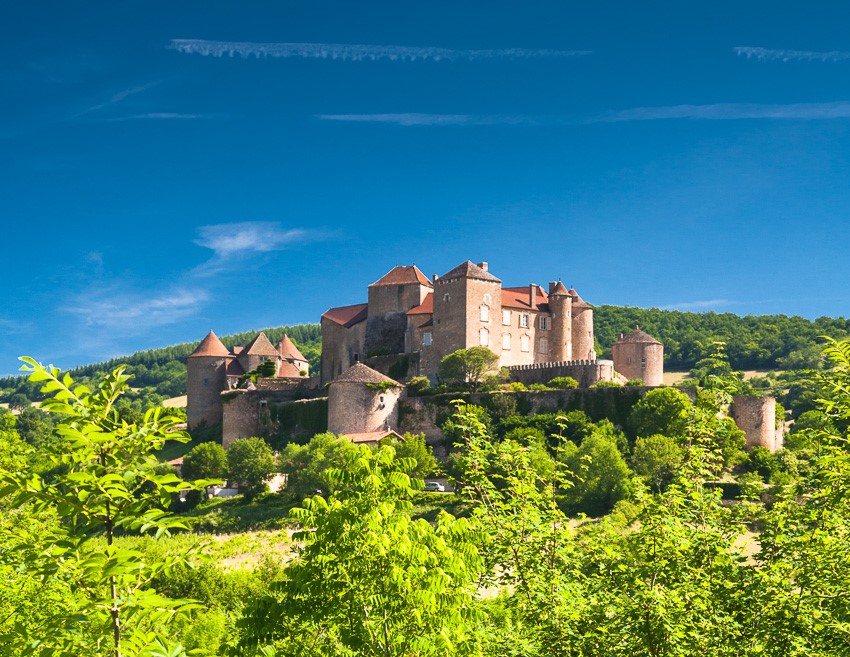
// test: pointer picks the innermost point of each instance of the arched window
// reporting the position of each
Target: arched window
(446, 297)
(484, 313)
(484, 337)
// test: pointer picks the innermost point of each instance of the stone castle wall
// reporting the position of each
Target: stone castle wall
(354, 407)
(205, 379)
(639, 360)
(586, 372)
(584, 344)
(340, 347)
(756, 417)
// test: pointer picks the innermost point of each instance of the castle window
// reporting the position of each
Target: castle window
(506, 340)
(643, 363)
(446, 297)
(524, 343)
(484, 337)
(545, 323)
(523, 321)
(544, 346)
(506, 317)
(484, 313)
(426, 339)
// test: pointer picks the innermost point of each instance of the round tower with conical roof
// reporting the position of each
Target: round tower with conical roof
(206, 378)
(561, 336)
(584, 345)
(639, 356)
(361, 399)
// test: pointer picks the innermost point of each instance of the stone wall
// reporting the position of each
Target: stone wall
(639, 360)
(241, 416)
(341, 348)
(271, 414)
(354, 407)
(205, 379)
(756, 417)
(399, 367)
(586, 372)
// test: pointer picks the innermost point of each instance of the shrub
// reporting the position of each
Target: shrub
(634, 382)
(516, 386)
(418, 385)
(606, 384)
(250, 462)
(538, 386)
(563, 383)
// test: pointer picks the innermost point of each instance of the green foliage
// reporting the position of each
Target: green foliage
(467, 367)
(381, 386)
(369, 580)
(205, 461)
(305, 465)
(657, 459)
(600, 476)
(250, 462)
(538, 386)
(517, 386)
(563, 383)
(418, 385)
(415, 448)
(662, 411)
(104, 482)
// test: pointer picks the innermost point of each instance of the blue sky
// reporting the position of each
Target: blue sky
(174, 167)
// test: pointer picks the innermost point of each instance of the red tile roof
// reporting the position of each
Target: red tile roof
(426, 308)
(347, 316)
(469, 270)
(403, 275)
(559, 289)
(288, 349)
(287, 370)
(638, 336)
(517, 297)
(210, 346)
(260, 346)
(369, 436)
(577, 300)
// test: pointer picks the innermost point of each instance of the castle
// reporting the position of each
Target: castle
(527, 327)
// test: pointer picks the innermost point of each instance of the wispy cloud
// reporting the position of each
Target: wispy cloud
(120, 96)
(164, 116)
(356, 53)
(712, 112)
(116, 309)
(783, 55)
(697, 305)
(248, 236)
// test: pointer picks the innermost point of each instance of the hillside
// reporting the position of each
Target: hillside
(762, 342)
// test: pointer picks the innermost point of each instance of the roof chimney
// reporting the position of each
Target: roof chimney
(532, 295)
(483, 265)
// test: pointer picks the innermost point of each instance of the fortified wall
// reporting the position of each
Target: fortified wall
(586, 372)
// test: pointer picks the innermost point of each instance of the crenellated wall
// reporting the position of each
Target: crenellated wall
(586, 372)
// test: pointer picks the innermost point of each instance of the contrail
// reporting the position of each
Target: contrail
(356, 53)
(769, 55)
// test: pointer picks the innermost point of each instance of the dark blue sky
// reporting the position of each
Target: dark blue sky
(171, 167)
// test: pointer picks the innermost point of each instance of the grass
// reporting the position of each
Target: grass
(234, 515)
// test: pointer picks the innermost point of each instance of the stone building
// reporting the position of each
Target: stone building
(639, 356)
(407, 313)
(361, 401)
(213, 368)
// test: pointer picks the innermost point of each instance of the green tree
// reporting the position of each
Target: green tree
(657, 459)
(250, 462)
(600, 476)
(467, 367)
(414, 447)
(103, 483)
(368, 579)
(664, 411)
(305, 465)
(205, 461)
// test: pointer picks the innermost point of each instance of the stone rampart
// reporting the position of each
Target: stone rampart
(586, 372)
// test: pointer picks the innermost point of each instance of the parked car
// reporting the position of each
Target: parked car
(435, 487)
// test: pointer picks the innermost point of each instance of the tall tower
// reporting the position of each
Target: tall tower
(561, 336)
(205, 380)
(390, 297)
(584, 346)
(639, 356)
(467, 311)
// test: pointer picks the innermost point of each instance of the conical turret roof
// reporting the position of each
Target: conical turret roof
(577, 300)
(360, 373)
(210, 346)
(559, 290)
(638, 336)
(288, 349)
(260, 346)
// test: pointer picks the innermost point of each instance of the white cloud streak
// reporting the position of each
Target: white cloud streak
(783, 55)
(356, 53)
(698, 305)
(117, 310)
(120, 96)
(712, 112)
(249, 236)
(163, 116)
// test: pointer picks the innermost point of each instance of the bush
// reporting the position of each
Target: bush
(662, 411)
(250, 462)
(600, 476)
(418, 385)
(634, 382)
(563, 383)
(657, 459)
(205, 461)
(516, 386)
(606, 384)
(538, 386)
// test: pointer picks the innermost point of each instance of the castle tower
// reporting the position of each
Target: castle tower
(561, 337)
(292, 361)
(584, 346)
(467, 311)
(205, 380)
(390, 297)
(259, 350)
(361, 399)
(639, 356)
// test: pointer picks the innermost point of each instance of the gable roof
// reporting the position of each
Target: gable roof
(210, 346)
(360, 373)
(578, 302)
(370, 436)
(288, 349)
(347, 316)
(403, 275)
(469, 270)
(288, 369)
(425, 308)
(260, 346)
(517, 297)
(638, 336)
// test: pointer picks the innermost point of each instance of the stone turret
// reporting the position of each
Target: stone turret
(390, 297)
(205, 379)
(259, 350)
(361, 399)
(639, 356)
(584, 345)
(561, 338)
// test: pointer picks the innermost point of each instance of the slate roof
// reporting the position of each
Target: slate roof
(360, 373)
(517, 297)
(347, 316)
(210, 346)
(260, 346)
(469, 270)
(288, 349)
(403, 275)
(638, 336)
(425, 308)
